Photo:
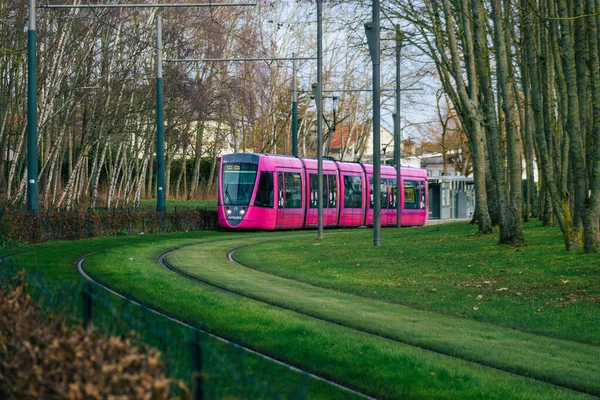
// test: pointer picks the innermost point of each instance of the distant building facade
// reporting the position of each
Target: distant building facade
(355, 143)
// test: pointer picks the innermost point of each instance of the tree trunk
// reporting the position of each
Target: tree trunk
(546, 166)
(574, 124)
(197, 160)
(591, 228)
(514, 229)
(473, 116)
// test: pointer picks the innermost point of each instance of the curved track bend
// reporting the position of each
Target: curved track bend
(230, 257)
(82, 272)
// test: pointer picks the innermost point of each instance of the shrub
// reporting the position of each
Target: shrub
(40, 357)
(21, 226)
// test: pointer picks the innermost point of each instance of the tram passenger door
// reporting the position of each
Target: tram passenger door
(387, 214)
(330, 202)
(312, 210)
(280, 200)
(290, 212)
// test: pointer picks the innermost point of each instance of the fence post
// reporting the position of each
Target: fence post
(196, 354)
(86, 296)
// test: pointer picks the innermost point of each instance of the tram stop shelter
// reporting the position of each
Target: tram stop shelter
(451, 197)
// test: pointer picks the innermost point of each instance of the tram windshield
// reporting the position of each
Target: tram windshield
(238, 183)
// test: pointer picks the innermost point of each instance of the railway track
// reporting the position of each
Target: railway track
(230, 256)
(80, 269)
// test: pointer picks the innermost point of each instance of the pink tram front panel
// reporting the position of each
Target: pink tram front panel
(258, 191)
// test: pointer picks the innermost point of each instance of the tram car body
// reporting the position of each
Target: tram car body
(269, 192)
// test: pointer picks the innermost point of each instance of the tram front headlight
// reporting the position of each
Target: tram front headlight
(242, 211)
(228, 211)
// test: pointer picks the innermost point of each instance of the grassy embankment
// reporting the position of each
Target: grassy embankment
(370, 363)
(370, 288)
(228, 372)
(538, 288)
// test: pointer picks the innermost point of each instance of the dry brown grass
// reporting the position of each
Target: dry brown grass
(41, 357)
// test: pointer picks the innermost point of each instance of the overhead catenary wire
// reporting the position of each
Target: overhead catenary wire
(143, 5)
(192, 60)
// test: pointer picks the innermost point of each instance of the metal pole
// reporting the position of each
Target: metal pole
(398, 134)
(32, 134)
(294, 109)
(160, 122)
(319, 100)
(372, 31)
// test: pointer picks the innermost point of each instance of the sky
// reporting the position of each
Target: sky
(294, 30)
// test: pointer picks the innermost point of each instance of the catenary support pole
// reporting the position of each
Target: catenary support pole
(32, 134)
(160, 122)
(398, 135)
(294, 109)
(372, 30)
(319, 100)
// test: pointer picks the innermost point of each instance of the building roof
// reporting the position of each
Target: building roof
(339, 137)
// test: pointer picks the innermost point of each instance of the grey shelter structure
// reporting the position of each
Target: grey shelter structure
(451, 197)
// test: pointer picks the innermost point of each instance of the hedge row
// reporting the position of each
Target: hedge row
(22, 226)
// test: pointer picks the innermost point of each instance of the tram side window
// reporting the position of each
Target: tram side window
(329, 191)
(280, 189)
(393, 193)
(352, 192)
(293, 190)
(313, 181)
(264, 195)
(414, 195)
(383, 193)
(332, 193)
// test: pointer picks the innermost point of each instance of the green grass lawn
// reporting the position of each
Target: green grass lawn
(532, 310)
(538, 288)
(376, 365)
(562, 362)
(228, 372)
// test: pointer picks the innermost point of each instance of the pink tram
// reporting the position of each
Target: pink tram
(259, 191)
